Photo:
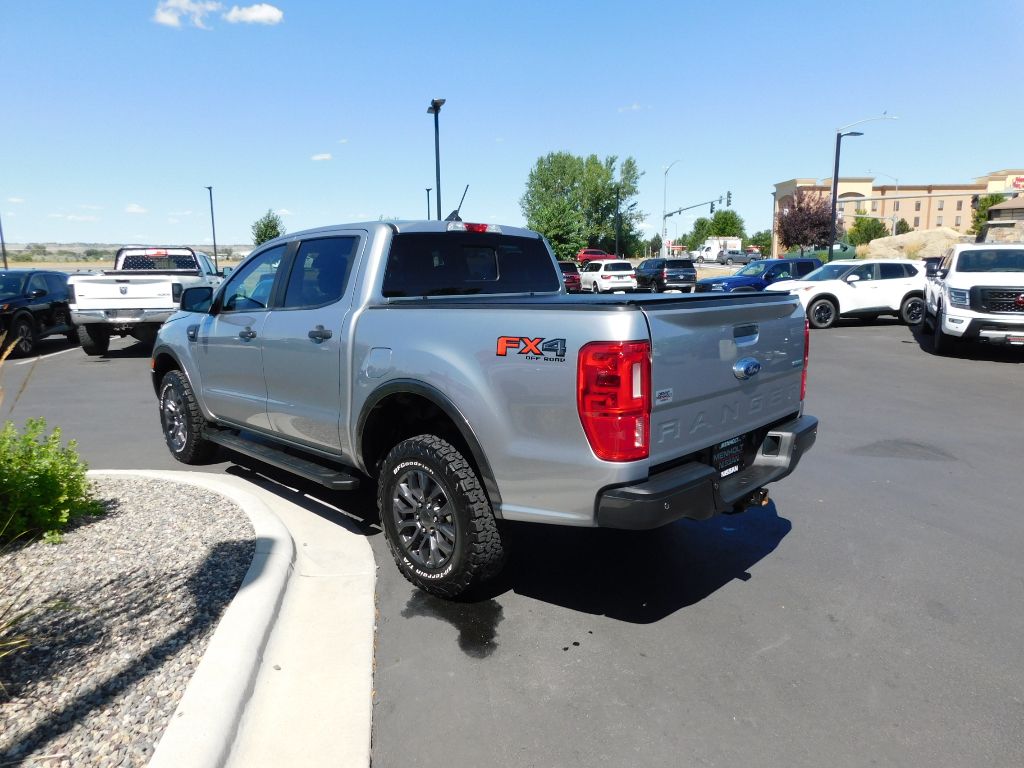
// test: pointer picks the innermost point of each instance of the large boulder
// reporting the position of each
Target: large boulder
(913, 245)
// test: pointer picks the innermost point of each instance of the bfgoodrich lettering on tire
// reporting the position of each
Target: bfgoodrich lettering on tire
(182, 421)
(436, 517)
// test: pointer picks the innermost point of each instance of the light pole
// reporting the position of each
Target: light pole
(428, 202)
(771, 248)
(664, 208)
(897, 193)
(840, 132)
(213, 226)
(3, 245)
(435, 109)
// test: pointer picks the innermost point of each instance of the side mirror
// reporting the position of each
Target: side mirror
(853, 279)
(225, 271)
(931, 270)
(196, 299)
(942, 273)
(38, 293)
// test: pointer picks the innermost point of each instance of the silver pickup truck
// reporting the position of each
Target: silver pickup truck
(445, 362)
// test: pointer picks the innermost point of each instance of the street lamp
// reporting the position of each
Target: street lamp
(428, 202)
(664, 208)
(897, 193)
(3, 246)
(213, 226)
(435, 109)
(840, 132)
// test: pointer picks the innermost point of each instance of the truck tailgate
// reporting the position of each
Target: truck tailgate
(721, 369)
(112, 292)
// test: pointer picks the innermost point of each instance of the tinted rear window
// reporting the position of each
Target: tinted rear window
(568, 268)
(618, 266)
(460, 263)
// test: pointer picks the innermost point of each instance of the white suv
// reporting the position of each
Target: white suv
(607, 275)
(863, 288)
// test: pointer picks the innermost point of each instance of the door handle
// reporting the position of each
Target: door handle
(319, 333)
(247, 334)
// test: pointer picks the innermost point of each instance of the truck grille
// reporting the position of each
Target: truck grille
(997, 300)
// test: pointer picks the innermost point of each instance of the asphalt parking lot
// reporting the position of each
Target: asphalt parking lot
(871, 615)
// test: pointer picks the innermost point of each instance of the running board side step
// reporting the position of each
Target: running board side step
(335, 479)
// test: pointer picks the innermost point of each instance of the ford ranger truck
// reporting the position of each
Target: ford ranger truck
(976, 293)
(135, 297)
(445, 363)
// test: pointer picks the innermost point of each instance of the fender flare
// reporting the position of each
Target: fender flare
(446, 406)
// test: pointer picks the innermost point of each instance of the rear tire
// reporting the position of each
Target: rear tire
(822, 313)
(22, 335)
(728, 262)
(95, 340)
(437, 520)
(182, 421)
(700, 259)
(912, 310)
(942, 343)
(594, 288)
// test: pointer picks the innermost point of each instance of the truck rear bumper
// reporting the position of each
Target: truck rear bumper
(120, 317)
(695, 491)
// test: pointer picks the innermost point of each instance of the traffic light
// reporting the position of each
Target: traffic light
(728, 199)
(712, 206)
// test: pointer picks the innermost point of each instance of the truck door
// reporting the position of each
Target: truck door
(229, 345)
(305, 357)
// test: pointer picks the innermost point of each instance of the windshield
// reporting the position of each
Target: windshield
(991, 260)
(11, 284)
(829, 272)
(618, 266)
(753, 269)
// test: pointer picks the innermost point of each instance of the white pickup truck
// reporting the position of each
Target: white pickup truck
(135, 297)
(976, 293)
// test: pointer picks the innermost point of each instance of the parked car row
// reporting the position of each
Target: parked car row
(33, 306)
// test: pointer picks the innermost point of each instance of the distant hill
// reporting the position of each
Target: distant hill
(56, 253)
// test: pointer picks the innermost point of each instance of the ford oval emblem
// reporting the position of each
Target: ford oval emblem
(747, 368)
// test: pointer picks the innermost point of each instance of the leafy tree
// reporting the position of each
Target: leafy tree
(902, 227)
(654, 244)
(763, 240)
(981, 213)
(576, 202)
(727, 223)
(806, 223)
(267, 227)
(864, 230)
(701, 231)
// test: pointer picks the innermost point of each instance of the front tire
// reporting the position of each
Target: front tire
(728, 262)
(95, 340)
(436, 517)
(700, 259)
(182, 421)
(912, 310)
(594, 288)
(942, 343)
(822, 313)
(23, 335)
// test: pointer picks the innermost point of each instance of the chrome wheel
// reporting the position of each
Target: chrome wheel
(174, 420)
(424, 519)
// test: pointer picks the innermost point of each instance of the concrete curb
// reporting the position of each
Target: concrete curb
(203, 728)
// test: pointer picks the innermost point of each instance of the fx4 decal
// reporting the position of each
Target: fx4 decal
(552, 350)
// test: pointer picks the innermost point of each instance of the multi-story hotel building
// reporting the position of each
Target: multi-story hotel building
(922, 206)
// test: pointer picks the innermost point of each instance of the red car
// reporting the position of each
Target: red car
(571, 275)
(592, 254)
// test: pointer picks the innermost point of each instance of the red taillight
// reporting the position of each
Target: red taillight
(476, 227)
(613, 398)
(807, 355)
(664, 274)
(606, 277)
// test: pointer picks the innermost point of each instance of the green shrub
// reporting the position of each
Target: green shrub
(42, 482)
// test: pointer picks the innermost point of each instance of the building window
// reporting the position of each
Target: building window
(917, 222)
(896, 205)
(958, 222)
(938, 221)
(917, 205)
(874, 206)
(959, 205)
(942, 204)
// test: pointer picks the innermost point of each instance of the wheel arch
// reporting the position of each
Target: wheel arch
(831, 297)
(405, 408)
(164, 361)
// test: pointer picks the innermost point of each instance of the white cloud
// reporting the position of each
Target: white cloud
(10, 214)
(81, 217)
(170, 12)
(171, 220)
(179, 213)
(134, 208)
(634, 107)
(343, 141)
(283, 212)
(321, 156)
(55, 215)
(15, 200)
(86, 207)
(260, 13)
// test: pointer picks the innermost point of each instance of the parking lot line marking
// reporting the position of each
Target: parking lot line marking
(43, 357)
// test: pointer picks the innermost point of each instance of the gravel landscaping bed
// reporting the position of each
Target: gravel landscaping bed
(123, 610)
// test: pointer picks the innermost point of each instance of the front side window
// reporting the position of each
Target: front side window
(11, 284)
(249, 286)
(320, 272)
(753, 269)
(37, 283)
(864, 272)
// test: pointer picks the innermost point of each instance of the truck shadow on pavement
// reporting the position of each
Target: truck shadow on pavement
(992, 353)
(637, 576)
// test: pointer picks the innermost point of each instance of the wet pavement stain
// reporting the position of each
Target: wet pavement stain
(477, 622)
(904, 449)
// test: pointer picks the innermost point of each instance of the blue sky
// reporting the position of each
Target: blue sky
(115, 119)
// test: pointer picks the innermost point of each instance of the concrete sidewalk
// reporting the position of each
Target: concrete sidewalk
(287, 677)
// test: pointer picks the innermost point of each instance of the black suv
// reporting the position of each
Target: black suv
(666, 274)
(33, 305)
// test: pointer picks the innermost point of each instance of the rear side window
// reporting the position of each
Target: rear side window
(462, 263)
(320, 272)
